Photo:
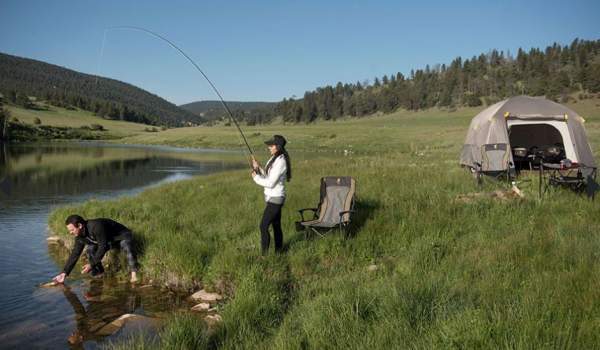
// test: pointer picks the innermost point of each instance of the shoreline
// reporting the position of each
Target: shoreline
(439, 270)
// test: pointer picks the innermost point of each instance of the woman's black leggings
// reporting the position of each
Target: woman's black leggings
(271, 216)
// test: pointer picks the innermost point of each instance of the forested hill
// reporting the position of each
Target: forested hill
(556, 72)
(257, 112)
(108, 98)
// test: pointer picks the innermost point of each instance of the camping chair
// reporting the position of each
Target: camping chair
(495, 161)
(577, 177)
(336, 204)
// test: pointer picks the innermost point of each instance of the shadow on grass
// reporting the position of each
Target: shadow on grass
(364, 210)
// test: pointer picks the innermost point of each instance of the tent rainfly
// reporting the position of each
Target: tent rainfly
(527, 122)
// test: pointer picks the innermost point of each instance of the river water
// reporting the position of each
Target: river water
(34, 179)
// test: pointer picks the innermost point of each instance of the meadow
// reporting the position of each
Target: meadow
(419, 270)
(74, 118)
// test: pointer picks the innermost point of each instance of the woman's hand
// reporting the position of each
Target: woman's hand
(253, 173)
(255, 164)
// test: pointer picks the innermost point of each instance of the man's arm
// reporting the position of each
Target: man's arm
(75, 253)
(100, 234)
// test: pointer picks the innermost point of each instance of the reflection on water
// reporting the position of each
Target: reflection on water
(36, 178)
(34, 171)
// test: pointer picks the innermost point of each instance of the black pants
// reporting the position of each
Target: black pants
(271, 217)
(123, 241)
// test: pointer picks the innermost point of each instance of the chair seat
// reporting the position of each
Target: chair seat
(317, 223)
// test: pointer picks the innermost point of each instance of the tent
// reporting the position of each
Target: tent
(527, 123)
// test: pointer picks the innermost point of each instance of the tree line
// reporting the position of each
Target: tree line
(108, 98)
(555, 72)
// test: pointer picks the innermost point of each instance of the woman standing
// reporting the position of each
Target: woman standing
(272, 178)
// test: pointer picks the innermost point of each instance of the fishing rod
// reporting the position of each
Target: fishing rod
(231, 117)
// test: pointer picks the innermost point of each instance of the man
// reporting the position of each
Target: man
(99, 235)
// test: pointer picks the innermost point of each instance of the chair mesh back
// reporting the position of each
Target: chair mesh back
(336, 196)
(494, 157)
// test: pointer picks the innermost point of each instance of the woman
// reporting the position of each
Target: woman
(272, 178)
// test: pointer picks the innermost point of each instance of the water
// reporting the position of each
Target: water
(34, 179)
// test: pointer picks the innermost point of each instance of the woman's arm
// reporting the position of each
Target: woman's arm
(277, 169)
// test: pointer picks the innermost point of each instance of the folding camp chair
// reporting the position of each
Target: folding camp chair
(336, 205)
(495, 161)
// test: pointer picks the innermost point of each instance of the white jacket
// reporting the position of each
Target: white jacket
(274, 180)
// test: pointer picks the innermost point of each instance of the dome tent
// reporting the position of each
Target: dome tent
(525, 121)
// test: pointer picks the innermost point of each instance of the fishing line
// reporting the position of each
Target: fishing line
(101, 56)
(231, 117)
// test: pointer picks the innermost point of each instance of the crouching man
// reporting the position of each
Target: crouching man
(100, 235)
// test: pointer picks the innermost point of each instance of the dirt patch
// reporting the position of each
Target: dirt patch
(513, 193)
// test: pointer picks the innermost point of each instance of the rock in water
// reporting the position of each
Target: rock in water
(54, 240)
(206, 297)
(201, 307)
(117, 324)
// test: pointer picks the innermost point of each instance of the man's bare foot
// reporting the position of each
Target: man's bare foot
(134, 278)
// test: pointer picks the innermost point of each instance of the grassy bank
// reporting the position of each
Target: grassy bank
(76, 121)
(399, 131)
(449, 274)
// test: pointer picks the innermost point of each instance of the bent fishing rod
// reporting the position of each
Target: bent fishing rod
(231, 117)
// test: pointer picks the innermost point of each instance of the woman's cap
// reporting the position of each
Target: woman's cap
(276, 140)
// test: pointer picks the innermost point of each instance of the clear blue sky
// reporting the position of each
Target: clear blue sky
(268, 50)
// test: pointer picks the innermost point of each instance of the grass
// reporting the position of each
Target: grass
(61, 117)
(486, 274)
(400, 131)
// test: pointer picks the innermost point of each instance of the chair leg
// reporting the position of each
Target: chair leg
(541, 170)
(317, 232)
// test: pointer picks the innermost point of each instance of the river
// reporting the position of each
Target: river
(34, 179)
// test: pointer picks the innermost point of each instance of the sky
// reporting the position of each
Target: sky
(270, 50)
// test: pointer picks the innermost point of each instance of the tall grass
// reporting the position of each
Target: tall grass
(485, 274)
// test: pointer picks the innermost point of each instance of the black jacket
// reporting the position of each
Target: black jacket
(100, 232)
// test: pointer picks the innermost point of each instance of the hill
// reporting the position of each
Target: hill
(248, 111)
(108, 98)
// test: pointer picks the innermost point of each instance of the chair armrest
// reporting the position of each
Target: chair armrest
(301, 211)
(342, 213)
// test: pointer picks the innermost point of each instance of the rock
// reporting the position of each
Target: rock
(54, 240)
(201, 307)
(517, 192)
(205, 296)
(212, 320)
(372, 268)
(115, 325)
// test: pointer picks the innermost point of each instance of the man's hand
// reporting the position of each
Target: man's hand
(86, 268)
(60, 278)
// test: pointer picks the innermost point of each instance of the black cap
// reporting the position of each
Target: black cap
(276, 140)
